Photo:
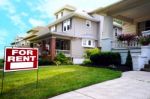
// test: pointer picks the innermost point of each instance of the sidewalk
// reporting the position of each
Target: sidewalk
(132, 85)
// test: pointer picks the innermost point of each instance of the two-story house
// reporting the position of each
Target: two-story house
(72, 32)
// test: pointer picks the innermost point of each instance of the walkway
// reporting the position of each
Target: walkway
(132, 85)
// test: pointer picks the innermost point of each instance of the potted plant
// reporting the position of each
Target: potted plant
(145, 48)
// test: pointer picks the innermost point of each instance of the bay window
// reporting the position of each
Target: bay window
(88, 43)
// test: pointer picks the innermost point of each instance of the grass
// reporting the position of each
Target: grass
(53, 81)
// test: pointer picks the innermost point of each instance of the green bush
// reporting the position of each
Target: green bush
(89, 52)
(1, 60)
(106, 59)
(87, 62)
(129, 61)
(61, 59)
(87, 55)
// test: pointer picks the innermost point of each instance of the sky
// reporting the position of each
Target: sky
(19, 16)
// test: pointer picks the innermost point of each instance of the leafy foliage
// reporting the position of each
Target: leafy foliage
(106, 59)
(61, 59)
(129, 60)
(87, 55)
(144, 40)
(126, 37)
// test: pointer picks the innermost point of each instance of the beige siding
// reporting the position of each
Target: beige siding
(129, 28)
(66, 12)
(69, 32)
(81, 29)
(76, 48)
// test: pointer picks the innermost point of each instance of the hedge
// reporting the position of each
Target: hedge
(106, 59)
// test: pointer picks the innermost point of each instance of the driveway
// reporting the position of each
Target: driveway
(132, 85)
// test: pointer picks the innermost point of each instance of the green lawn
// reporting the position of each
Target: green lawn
(53, 80)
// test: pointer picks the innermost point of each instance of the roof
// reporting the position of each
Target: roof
(35, 29)
(68, 7)
(101, 9)
(77, 13)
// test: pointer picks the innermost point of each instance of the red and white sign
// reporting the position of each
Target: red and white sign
(20, 59)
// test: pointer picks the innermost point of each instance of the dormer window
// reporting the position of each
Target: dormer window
(88, 23)
(67, 25)
(53, 28)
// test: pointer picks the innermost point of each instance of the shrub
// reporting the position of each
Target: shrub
(87, 62)
(61, 59)
(90, 52)
(106, 59)
(129, 61)
(144, 40)
(1, 60)
(87, 55)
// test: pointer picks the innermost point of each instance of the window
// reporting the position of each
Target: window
(116, 31)
(53, 28)
(88, 23)
(67, 25)
(88, 43)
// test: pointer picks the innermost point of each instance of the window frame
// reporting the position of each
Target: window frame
(66, 25)
(88, 43)
(88, 23)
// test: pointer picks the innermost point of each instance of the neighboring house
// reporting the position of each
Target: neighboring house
(136, 17)
(72, 33)
(19, 41)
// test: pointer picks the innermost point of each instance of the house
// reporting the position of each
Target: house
(19, 42)
(136, 20)
(72, 32)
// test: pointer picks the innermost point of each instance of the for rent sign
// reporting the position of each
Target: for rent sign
(20, 59)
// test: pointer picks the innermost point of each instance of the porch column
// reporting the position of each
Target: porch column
(43, 45)
(107, 33)
(52, 47)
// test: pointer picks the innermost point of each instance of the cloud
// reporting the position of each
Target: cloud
(17, 20)
(23, 14)
(8, 6)
(3, 35)
(35, 22)
(48, 7)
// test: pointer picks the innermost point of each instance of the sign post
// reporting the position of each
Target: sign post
(17, 59)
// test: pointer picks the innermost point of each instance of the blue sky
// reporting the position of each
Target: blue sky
(18, 16)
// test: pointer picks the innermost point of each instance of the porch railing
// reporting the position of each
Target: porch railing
(66, 52)
(125, 44)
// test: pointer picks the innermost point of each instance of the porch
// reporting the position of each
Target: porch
(136, 20)
(50, 47)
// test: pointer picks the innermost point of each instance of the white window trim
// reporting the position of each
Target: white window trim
(88, 22)
(66, 23)
(85, 43)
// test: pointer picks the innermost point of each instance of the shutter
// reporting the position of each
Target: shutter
(62, 26)
(70, 23)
